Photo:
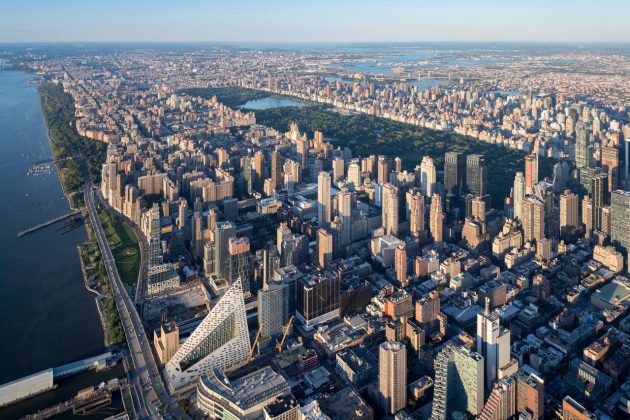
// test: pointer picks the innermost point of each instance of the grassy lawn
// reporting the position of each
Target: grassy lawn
(124, 245)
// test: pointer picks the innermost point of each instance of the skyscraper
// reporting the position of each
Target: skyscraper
(415, 213)
(223, 233)
(273, 308)
(258, 169)
(530, 395)
(568, 210)
(276, 170)
(620, 220)
(338, 168)
(283, 232)
(587, 215)
(493, 343)
(454, 172)
(400, 265)
(501, 404)
(476, 175)
(428, 177)
(436, 219)
(533, 219)
(344, 208)
(458, 384)
(531, 172)
(317, 299)
(582, 147)
(384, 167)
(354, 174)
(220, 341)
(324, 247)
(392, 376)
(238, 262)
(323, 198)
(519, 195)
(610, 161)
(599, 189)
(390, 209)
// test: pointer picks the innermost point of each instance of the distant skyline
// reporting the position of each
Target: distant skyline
(282, 21)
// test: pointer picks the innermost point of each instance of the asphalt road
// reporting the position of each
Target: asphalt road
(146, 382)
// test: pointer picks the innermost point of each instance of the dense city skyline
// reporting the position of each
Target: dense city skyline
(327, 21)
(267, 224)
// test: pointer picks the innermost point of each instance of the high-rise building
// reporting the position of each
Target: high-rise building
(392, 376)
(400, 265)
(493, 343)
(276, 170)
(344, 208)
(247, 174)
(354, 174)
(436, 219)
(454, 172)
(259, 169)
(323, 198)
(530, 395)
(476, 175)
(324, 247)
(599, 190)
(610, 161)
(533, 219)
(283, 232)
(220, 341)
(587, 215)
(166, 341)
(458, 384)
(317, 299)
(338, 168)
(384, 167)
(428, 308)
(620, 220)
(390, 209)
(415, 213)
(238, 262)
(519, 195)
(182, 213)
(224, 231)
(273, 309)
(531, 172)
(428, 177)
(582, 146)
(501, 404)
(568, 211)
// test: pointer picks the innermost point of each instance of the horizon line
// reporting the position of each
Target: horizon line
(314, 42)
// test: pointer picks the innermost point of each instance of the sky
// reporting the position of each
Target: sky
(297, 21)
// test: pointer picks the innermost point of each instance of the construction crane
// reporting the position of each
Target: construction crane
(251, 352)
(287, 328)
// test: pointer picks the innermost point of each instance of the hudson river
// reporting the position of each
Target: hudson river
(48, 317)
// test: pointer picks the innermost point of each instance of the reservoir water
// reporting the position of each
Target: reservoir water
(272, 102)
(48, 317)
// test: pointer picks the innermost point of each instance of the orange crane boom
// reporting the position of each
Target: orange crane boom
(251, 353)
(284, 336)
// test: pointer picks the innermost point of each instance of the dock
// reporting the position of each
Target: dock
(43, 381)
(84, 403)
(48, 223)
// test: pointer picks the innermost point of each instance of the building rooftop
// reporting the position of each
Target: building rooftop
(249, 390)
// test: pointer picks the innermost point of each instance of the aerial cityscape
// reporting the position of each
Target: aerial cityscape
(332, 211)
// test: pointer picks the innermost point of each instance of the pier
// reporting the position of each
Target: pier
(48, 223)
(84, 403)
(43, 381)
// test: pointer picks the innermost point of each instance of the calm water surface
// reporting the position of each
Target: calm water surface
(48, 318)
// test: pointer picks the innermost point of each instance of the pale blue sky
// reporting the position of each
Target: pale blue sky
(314, 21)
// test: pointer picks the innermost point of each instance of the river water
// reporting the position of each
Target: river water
(48, 317)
